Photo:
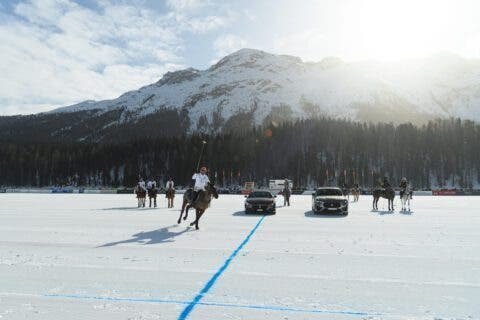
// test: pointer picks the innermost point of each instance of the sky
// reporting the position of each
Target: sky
(59, 52)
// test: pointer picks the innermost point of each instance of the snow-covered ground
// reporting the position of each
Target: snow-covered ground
(74, 256)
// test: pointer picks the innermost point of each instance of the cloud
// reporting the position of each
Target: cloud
(188, 5)
(227, 44)
(57, 52)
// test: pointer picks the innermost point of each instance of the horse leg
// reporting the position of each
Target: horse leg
(181, 212)
(186, 212)
(198, 215)
(180, 217)
(155, 202)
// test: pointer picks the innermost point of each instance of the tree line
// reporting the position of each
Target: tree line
(312, 152)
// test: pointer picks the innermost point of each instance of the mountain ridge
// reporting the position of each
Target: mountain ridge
(254, 87)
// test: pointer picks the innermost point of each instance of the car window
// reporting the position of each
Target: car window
(260, 194)
(328, 192)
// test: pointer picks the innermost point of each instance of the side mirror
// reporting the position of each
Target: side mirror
(246, 196)
(275, 196)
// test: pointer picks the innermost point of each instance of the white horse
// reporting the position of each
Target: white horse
(405, 197)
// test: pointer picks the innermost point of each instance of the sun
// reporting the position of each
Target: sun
(388, 30)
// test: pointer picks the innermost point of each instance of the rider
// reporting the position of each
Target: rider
(386, 184)
(403, 186)
(151, 184)
(141, 184)
(201, 181)
(169, 184)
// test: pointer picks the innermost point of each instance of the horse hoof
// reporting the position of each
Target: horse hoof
(191, 224)
(184, 218)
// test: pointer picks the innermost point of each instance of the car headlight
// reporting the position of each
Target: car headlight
(319, 202)
(271, 205)
(344, 202)
(248, 204)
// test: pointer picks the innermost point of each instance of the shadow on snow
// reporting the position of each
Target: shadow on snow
(253, 214)
(129, 208)
(310, 214)
(150, 237)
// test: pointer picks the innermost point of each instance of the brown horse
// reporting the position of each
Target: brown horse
(170, 195)
(141, 195)
(355, 191)
(152, 193)
(388, 194)
(200, 204)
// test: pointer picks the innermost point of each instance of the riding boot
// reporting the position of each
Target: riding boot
(195, 196)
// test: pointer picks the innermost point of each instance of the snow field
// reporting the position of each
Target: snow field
(74, 256)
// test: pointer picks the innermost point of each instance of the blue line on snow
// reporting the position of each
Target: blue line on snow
(190, 305)
(212, 304)
(80, 297)
(215, 277)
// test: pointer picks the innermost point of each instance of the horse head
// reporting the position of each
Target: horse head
(211, 189)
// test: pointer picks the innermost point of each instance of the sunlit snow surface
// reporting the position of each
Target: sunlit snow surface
(99, 257)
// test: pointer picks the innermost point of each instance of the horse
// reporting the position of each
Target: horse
(152, 193)
(170, 195)
(355, 191)
(141, 195)
(388, 193)
(405, 196)
(200, 204)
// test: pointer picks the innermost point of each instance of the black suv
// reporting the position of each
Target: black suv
(329, 200)
(260, 201)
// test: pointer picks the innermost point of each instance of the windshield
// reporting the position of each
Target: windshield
(260, 194)
(328, 192)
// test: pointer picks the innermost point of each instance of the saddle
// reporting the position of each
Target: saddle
(190, 195)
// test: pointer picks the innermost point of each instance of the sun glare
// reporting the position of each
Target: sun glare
(388, 30)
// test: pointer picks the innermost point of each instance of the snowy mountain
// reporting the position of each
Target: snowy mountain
(255, 87)
(268, 86)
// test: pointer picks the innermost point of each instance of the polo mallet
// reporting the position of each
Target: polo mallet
(201, 153)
